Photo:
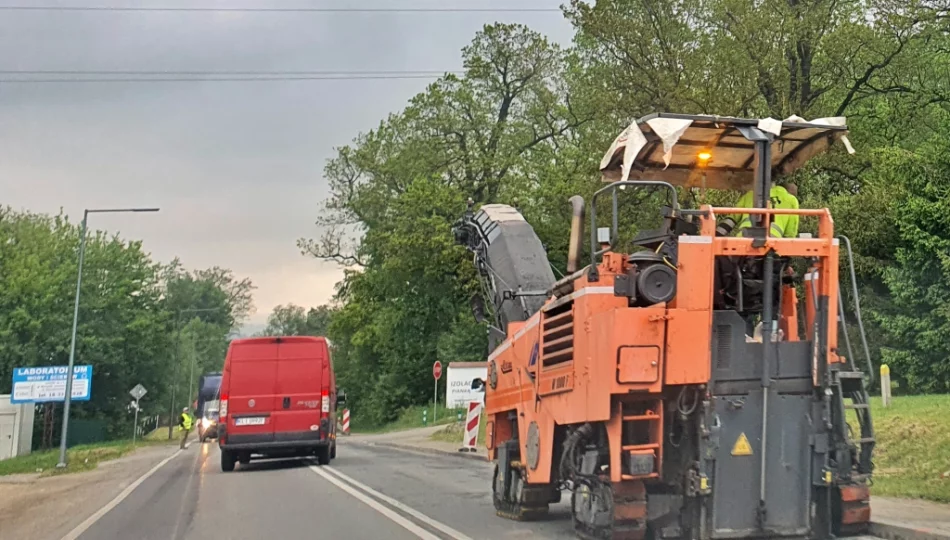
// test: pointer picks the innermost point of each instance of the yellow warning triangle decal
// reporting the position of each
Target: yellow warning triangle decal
(742, 446)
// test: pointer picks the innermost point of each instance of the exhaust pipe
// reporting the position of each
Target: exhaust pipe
(577, 233)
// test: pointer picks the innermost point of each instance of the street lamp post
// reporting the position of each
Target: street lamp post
(72, 346)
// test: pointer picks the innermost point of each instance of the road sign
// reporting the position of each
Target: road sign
(40, 384)
(138, 392)
(470, 437)
(437, 374)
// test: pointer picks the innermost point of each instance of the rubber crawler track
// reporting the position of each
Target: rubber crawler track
(629, 506)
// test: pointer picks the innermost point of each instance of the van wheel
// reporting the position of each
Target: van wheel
(333, 451)
(227, 461)
(323, 455)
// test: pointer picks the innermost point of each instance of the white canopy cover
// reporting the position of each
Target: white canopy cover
(714, 151)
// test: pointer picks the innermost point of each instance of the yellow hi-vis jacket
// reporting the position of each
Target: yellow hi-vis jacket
(782, 225)
(185, 421)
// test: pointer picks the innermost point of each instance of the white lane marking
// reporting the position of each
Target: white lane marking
(393, 516)
(91, 520)
(400, 506)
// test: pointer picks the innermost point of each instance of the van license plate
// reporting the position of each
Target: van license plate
(252, 421)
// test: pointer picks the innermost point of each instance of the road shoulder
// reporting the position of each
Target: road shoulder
(908, 519)
(50, 507)
(417, 440)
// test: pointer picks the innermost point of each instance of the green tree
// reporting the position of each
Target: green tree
(916, 319)
(130, 307)
(294, 320)
(492, 135)
(205, 308)
(882, 63)
(775, 57)
(527, 123)
(122, 332)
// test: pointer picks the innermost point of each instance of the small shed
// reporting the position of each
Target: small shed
(16, 428)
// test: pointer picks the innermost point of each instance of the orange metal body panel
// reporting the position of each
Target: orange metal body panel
(689, 323)
(688, 356)
(638, 364)
(586, 354)
(789, 317)
(856, 508)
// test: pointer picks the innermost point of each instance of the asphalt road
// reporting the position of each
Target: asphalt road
(368, 492)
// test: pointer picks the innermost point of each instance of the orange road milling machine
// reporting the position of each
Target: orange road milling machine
(675, 388)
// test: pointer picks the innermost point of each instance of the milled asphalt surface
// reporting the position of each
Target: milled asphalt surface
(387, 493)
(190, 498)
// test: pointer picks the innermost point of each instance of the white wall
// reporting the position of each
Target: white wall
(17, 438)
(459, 384)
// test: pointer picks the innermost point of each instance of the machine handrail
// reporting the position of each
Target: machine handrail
(857, 308)
(772, 211)
(594, 252)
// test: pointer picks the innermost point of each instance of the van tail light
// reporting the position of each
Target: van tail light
(223, 408)
(324, 413)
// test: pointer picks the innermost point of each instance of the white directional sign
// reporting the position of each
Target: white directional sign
(138, 392)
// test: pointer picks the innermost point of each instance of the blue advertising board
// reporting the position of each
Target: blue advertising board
(48, 383)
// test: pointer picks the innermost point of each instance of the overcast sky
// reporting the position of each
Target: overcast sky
(236, 167)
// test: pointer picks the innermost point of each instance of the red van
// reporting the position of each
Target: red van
(278, 398)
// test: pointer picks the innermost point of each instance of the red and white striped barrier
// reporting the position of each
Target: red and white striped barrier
(346, 421)
(471, 426)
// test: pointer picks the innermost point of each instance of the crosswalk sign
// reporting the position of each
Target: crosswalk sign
(742, 446)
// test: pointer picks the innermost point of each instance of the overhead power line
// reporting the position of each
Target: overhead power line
(226, 73)
(211, 79)
(282, 9)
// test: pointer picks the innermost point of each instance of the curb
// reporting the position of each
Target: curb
(893, 531)
(434, 451)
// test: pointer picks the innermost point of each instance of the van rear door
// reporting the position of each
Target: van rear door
(299, 388)
(252, 380)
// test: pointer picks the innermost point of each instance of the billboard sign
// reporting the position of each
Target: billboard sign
(40, 384)
(466, 383)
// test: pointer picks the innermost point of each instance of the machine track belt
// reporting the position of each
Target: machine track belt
(531, 504)
(628, 503)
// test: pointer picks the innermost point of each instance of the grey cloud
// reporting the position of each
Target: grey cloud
(236, 167)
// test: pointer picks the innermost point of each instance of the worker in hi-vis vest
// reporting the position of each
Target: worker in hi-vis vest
(782, 226)
(185, 423)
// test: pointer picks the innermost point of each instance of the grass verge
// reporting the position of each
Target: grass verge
(912, 454)
(80, 458)
(453, 432)
(409, 418)
(161, 435)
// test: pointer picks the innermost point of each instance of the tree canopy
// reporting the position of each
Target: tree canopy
(527, 122)
(294, 320)
(136, 316)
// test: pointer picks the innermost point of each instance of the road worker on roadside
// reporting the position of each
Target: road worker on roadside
(185, 423)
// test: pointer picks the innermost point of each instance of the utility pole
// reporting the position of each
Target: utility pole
(67, 399)
(171, 406)
(191, 378)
